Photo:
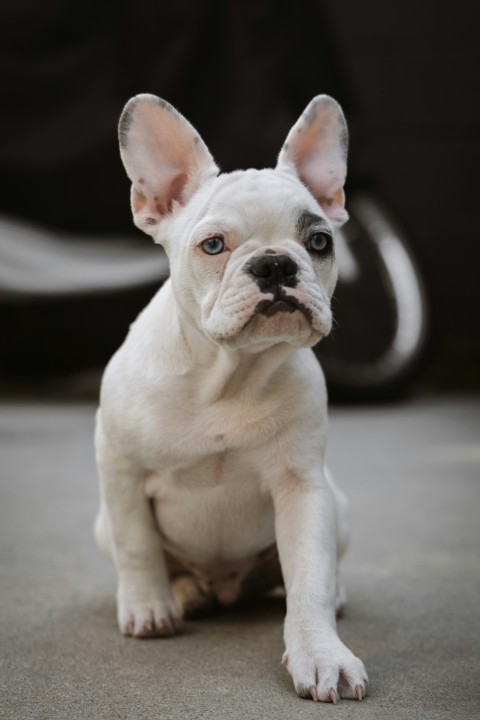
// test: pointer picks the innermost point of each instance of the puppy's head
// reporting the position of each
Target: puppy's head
(252, 255)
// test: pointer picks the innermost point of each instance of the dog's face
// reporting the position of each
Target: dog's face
(253, 262)
(251, 252)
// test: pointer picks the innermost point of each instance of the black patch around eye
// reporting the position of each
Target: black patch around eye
(308, 226)
(307, 222)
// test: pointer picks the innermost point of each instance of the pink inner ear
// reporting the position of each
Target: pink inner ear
(149, 204)
(322, 174)
(164, 158)
(325, 182)
(172, 192)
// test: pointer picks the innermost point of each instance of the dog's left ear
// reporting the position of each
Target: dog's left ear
(316, 150)
(164, 156)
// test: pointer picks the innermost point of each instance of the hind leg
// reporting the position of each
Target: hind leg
(189, 597)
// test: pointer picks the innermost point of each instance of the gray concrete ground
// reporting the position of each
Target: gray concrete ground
(412, 574)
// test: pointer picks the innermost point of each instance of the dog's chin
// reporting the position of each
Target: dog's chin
(274, 323)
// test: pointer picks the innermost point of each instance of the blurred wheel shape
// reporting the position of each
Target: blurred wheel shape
(381, 327)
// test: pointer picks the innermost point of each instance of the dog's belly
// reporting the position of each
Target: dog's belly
(212, 514)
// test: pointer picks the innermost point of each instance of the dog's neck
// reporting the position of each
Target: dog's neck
(222, 372)
(235, 373)
(217, 371)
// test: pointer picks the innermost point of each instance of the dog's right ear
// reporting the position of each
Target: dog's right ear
(164, 156)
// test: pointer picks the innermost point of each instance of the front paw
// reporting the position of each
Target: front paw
(326, 671)
(147, 616)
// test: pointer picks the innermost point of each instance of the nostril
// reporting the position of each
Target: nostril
(273, 268)
(290, 267)
(262, 267)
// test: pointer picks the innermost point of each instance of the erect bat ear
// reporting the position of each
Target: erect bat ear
(316, 151)
(164, 156)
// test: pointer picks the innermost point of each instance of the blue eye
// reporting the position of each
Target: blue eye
(320, 242)
(213, 245)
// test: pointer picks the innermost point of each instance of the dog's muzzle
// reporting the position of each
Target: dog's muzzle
(272, 272)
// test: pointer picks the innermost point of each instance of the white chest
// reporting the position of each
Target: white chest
(213, 511)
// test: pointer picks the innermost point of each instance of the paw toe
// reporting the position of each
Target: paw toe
(165, 628)
(353, 683)
(333, 695)
(127, 626)
(304, 691)
(144, 629)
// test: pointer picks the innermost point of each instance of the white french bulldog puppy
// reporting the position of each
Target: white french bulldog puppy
(211, 433)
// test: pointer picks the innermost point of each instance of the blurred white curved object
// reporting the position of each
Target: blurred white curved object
(400, 337)
(405, 281)
(348, 269)
(35, 261)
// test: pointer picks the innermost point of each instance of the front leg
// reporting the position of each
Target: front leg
(321, 666)
(145, 606)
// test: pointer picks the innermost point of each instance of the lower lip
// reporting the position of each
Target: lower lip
(279, 306)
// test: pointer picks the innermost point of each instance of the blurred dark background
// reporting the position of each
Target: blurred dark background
(405, 72)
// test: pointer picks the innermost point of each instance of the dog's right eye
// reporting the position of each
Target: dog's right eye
(213, 245)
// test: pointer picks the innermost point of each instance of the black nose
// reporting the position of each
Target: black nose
(273, 270)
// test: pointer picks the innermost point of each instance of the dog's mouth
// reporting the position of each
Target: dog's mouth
(278, 317)
(281, 303)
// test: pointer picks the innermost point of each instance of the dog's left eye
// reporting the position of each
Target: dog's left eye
(213, 245)
(320, 242)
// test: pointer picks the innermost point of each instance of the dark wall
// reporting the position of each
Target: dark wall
(413, 68)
